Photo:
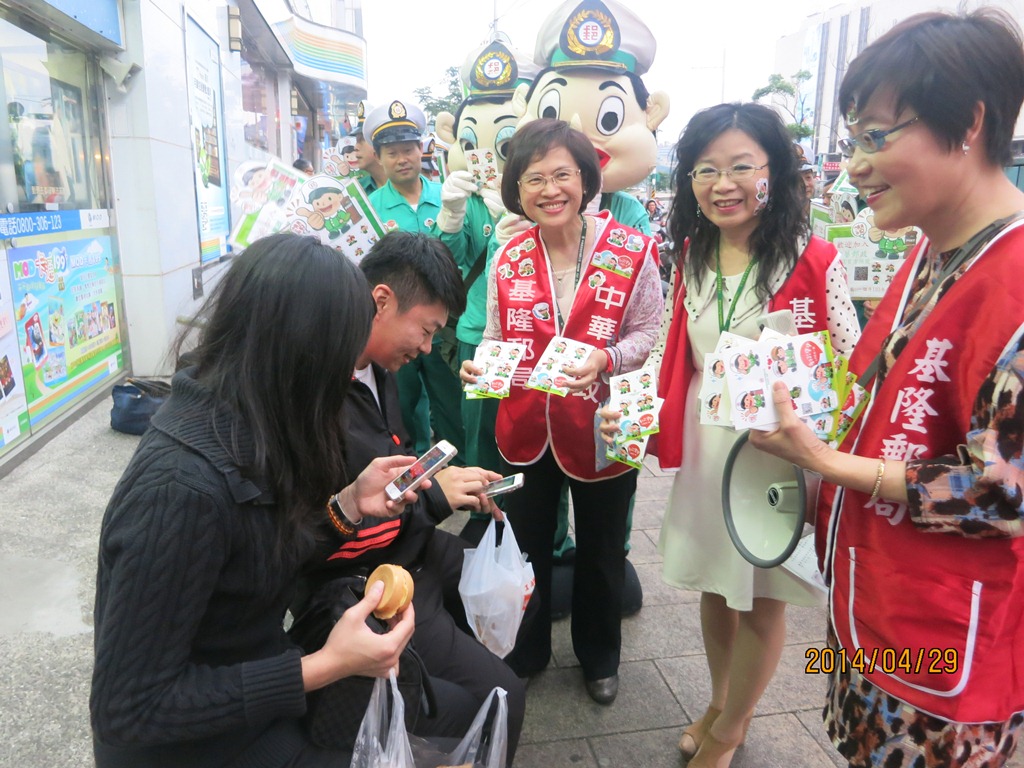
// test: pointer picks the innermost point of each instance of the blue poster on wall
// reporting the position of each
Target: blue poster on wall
(66, 321)
(205, 98)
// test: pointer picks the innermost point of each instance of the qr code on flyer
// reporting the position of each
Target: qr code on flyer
(860, 273)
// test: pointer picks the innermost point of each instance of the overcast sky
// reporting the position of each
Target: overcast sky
(410, 44)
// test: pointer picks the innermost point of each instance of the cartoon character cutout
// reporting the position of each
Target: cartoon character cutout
(526, 268)
(892, 243)
(327, 211)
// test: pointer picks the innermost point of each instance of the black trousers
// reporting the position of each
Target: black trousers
(600, 510)
(448, 648)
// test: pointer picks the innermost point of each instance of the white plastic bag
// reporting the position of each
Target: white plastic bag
(496, 585)
(470, 751)
(382, 741)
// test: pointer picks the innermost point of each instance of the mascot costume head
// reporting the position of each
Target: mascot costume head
(594, 54)
(485, 119)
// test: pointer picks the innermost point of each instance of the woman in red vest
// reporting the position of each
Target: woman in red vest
(739, 208)
(590, 279)
(924, 553)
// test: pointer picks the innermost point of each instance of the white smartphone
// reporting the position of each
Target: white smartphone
(506, 484)
(427, 464)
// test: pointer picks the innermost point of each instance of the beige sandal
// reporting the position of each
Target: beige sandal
(694, 733)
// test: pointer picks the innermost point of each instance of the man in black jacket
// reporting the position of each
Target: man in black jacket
(416, 285)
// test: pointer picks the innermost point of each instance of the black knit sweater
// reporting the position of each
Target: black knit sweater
(192, 665)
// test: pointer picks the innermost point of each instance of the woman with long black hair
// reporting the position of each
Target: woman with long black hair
(213, 518)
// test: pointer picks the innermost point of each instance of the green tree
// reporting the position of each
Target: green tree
(449, 99)
(789, 100)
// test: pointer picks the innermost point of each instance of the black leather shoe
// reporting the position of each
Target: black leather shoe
(605, 690)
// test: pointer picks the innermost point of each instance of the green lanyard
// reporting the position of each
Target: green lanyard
(724, 321)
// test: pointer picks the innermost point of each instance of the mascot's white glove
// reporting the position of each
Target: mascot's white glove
(510, 226)
(492, 199)
(454, 193)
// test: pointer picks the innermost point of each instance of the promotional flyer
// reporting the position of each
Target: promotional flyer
(66, 322)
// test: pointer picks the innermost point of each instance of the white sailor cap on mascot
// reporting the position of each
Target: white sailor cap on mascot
(485, 118)
(594, 54)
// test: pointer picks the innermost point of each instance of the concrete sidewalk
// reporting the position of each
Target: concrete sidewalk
(50, 514)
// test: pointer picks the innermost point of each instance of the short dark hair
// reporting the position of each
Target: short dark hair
(281, 334)
(302, 164)
(536, 139)
(418, 268)
(780, 225)
(942, 65)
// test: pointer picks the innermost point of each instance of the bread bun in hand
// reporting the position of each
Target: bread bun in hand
(398, 589)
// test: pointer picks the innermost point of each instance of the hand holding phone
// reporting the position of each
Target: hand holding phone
(427, 465)
(505, 485)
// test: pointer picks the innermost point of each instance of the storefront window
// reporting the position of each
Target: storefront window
(260, 100)
(52, 158)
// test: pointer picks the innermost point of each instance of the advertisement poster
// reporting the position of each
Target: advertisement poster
(205, 97)
(259, 192)
(872, 256)
(66, 321)
(13, 405)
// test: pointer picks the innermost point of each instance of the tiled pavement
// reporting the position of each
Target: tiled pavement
(50, 510)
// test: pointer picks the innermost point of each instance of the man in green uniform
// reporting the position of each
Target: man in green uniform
(371, 173)
(410, 202)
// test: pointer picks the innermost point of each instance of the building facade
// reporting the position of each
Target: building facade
(828, 41)
(129, 122)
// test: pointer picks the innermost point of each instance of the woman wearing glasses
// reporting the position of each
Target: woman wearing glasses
(925, 549)
(739, 206)
(549, 281)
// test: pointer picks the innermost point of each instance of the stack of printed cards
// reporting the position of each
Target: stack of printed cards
(483, 165)
(740, 373)
(635, 396)
(498, 360)
(560, 353)
(713, 396)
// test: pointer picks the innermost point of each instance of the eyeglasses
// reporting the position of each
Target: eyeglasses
(537, 181)
(871, 141)
(707, 174)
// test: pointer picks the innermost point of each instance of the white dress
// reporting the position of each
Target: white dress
(698, 553)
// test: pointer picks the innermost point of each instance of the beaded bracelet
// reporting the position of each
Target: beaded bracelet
(338, 517)
(878, 482)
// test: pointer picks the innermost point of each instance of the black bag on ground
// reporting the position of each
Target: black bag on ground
(135, 402)
(334, 713)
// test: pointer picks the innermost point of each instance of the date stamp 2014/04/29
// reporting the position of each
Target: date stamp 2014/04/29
(934, 661)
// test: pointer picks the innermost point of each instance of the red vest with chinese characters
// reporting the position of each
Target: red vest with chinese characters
(529, 420)
(804, 292)
(955, 604)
